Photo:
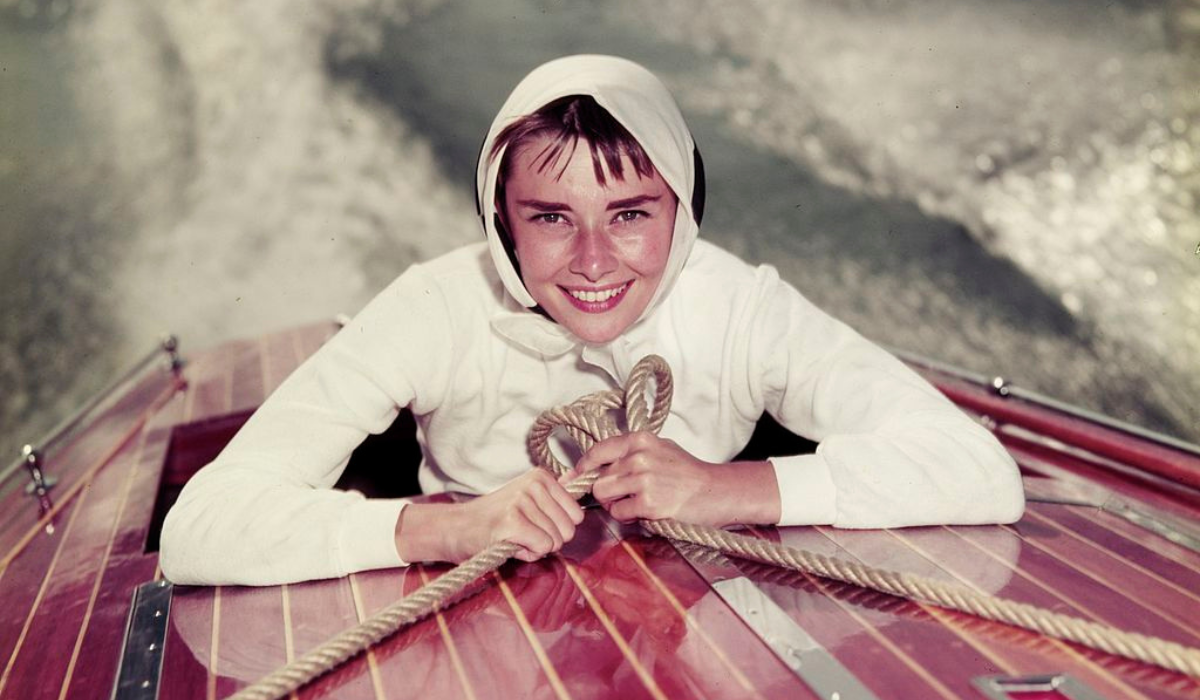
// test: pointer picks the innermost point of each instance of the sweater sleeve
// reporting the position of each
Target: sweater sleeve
(264, 511)
(892, 450)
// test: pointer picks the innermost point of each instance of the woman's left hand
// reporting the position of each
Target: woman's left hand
(649, 477)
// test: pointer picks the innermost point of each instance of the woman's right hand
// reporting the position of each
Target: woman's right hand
(533, 511)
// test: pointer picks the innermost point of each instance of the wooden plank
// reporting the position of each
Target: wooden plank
(1119, 535)
(127, 566)
(27, 600)
(1087, 596)
(247, 377)
(1024, 653)
(717, 645)
(189, 643)
(250, 636)
(1039, 581)
(1165, 598)
(71, 590)
(911, 630)
(319, 610)
(72, 461)
(416, 662)
(857, 627)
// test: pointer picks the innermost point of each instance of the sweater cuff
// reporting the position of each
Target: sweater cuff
(807, 495)
(367, 538)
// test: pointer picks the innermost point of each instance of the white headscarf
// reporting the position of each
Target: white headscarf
(641, 103)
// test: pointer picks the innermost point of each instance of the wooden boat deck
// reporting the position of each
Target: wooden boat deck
(615, 614)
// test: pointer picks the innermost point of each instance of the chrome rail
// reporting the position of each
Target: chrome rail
(1002, 387)
(32, 454)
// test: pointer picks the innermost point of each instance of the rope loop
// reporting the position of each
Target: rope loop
(589, 419)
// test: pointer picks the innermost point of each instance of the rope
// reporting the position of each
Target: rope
(589, 420)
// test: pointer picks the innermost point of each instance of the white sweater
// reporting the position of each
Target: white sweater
(893, 451)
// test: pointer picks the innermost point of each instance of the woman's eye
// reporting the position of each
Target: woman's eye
(549, 218)
(631, 215)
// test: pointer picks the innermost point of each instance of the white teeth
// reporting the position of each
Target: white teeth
(592, 297)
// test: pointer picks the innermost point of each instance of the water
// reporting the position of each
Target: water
(1004, 186)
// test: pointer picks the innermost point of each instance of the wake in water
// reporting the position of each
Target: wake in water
(1005, 190)
(1064, 138)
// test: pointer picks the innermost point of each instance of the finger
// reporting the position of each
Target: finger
(565, 501)
(625, 510)
(539, 516)
(558, 505)
(604, 452)
(535, 542)
(613, 487)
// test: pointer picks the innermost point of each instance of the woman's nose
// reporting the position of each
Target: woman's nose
(593, 256)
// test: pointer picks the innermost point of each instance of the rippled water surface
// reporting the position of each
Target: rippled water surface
(1010, 187)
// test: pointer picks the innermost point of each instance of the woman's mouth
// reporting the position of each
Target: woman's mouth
(596, 300)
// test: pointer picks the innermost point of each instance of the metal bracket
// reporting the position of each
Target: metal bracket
(1014, 687)
(795, 647)
(170, 345)
(39, 483)
(142, 650)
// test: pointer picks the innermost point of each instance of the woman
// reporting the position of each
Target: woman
(591, 193)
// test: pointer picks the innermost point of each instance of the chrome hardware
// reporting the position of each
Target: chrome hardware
(1016, 392)
(170, 345)
(40, 484)
(1000, 386)
(33, 455)
(793, 645)
(140, 667)
(1001, 687)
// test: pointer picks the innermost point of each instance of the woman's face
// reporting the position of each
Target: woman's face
(591, 255)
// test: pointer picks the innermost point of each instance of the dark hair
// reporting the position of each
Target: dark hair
(565, 121)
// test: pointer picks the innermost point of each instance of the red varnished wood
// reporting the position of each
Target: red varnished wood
(1148, 680)
(1176, 499)
(415, 663)
(188, 646)
(909, 630)
(109, 431)
(1081, 594)
(1158, 459)
(279, 358)
(838, 617)
(1118, 574)
(210, 393)
(21, 587)
(127, 564)
(1123, 537)
(727, 658)
(61, 616)
(991, 571)
(250, 636)
(319, 610)
(248, 377)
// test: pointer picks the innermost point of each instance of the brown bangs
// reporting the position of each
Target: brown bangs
(565, 121)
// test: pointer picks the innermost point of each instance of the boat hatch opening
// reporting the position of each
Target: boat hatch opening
(192, 446)
(383, 466)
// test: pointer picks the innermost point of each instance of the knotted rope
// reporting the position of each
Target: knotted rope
(590, 420)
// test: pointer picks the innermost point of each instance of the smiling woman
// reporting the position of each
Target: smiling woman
(592, 244)
(589, 187)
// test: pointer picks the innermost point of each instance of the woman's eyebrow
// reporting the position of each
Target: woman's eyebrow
(543, 206)
(633, 202)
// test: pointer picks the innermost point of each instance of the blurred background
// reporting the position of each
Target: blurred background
(1010, 187)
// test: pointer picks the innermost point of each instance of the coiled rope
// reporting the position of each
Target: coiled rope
(590, 420)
